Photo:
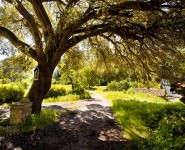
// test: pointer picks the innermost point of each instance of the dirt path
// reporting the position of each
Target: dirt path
(80, 105)
(90, 125)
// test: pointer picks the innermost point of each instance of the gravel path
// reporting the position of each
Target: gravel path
(90, 125)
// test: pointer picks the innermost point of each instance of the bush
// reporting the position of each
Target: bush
(118, 86)
(135, 84)
(78, 90)
(10, 93)
(55, 91)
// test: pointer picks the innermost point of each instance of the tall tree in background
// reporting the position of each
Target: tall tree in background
(72, 62)
(141, 28)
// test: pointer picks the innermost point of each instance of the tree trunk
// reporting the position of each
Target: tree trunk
(40, 88)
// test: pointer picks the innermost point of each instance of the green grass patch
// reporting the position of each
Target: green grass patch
(129, 94)
(159, 125)
(70, 97)
(36, 121)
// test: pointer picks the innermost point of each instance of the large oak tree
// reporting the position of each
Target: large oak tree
(142, 28)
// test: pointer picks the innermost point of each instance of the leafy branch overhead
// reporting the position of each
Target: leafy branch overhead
(44, 30)
(57, 25)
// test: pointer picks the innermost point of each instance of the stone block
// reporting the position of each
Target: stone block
(19, 112)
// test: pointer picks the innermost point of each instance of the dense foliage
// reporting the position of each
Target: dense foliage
(10, 93)
(55, 91)
(118, 86)
(78, 90)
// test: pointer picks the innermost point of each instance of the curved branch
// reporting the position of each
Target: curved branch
(43, 17)
(69, 30)
(75, 40)
(20, 45)
(31, 23)
(113, 10)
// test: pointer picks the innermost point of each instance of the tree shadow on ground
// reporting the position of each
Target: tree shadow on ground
(93, 129)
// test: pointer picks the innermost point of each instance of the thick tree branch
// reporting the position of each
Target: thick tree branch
(43, 17)
(20, 45)
(31, 23)
(113, 10)
(76, 25)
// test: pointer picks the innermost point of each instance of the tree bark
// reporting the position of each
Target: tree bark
(40, 88)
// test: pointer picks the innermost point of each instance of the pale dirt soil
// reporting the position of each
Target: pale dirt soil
(89, 125)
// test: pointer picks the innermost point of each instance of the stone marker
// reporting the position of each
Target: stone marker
(20, 111)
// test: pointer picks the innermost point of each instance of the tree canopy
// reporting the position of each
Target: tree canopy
(45, 29)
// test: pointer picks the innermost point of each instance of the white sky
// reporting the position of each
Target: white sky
(2, 57)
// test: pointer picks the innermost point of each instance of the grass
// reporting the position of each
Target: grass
(129, 95)
(148, 121)
(36, 121)
(33, 122)
(136, 117)
(161, 125)
(70, 97)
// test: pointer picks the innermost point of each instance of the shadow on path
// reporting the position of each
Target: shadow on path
(93, 129)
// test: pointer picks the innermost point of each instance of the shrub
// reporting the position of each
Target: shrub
(10, 93)
(55, 91)
(118, 86)
(78, 90)
(136, 84)
(130, 91)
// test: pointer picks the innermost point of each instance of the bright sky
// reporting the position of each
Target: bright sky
(2, 57)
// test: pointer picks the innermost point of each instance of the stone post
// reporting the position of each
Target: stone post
(20, 111)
